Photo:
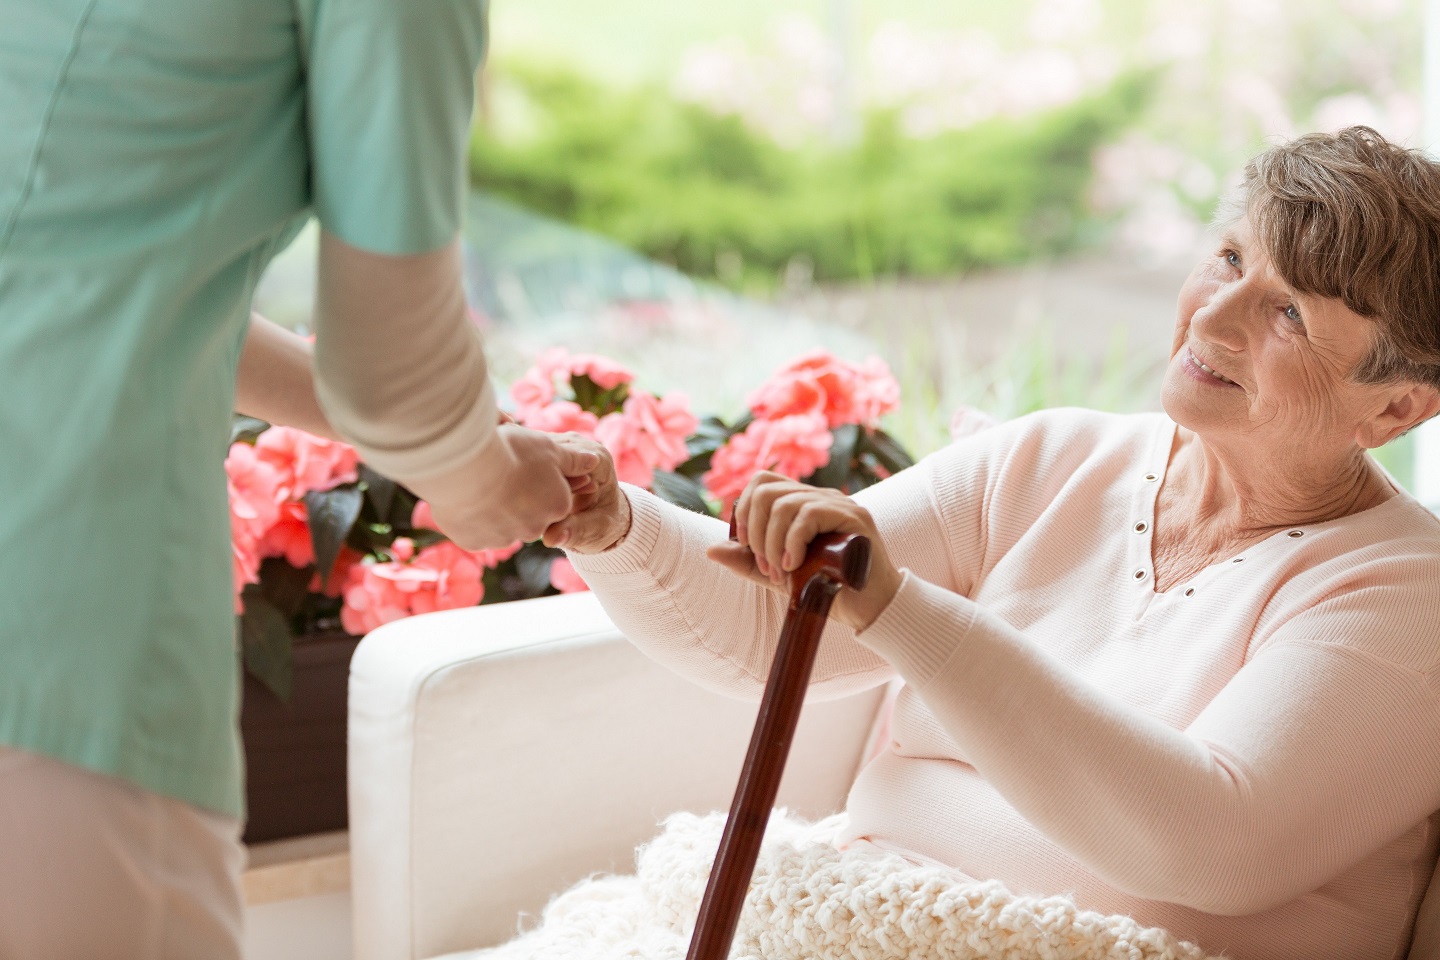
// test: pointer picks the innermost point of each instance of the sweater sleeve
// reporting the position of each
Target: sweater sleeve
(719, 630)
(400, 369)
(1316, 753)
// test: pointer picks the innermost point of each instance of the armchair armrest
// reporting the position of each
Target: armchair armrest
(498, 754)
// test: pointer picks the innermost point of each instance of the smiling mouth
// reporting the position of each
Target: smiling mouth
(1196, 360)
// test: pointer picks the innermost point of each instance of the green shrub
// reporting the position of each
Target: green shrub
(715, 198)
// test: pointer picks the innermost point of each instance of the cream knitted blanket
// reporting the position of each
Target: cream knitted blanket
(810, 901)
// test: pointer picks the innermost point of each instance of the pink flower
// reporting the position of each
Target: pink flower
(402, 550)
(497, 556)
(877, 394)
(564, 578)
(562, 416)
(820, 383)
(423, 519)
(440, 577)
(795, 446)
(559, 363)
(647, 434)
(552, 363)
(602, 371)
(254, 488)
(306, 462)
(532, 391)
(289, 536)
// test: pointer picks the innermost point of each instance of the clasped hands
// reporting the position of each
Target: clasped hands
(775, 520)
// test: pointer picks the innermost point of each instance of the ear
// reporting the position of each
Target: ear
(1410, 404)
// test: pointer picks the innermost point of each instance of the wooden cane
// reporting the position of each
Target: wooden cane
(831, 562)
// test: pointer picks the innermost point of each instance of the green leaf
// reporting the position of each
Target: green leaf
(381, 491)
(266, 642)
(285, 587)
(591, 397)
(887, 450)
(246, 428)
(532, 566)
(710, 435)
(680, 490)
(332, 515)
(842, 455)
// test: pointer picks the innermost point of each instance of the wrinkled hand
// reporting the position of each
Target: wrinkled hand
(775, 520)
(520, 484)
(601, 514)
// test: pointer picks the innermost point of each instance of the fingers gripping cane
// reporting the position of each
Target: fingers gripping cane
(831, 562)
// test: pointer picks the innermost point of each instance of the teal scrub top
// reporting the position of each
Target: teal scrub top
(154, 156)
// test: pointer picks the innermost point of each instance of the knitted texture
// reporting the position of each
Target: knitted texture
(810, 901)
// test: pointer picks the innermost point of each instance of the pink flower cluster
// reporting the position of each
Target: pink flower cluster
(267, 483)
(646, 434)
(442, 576)
(818, 382)
(794, 412)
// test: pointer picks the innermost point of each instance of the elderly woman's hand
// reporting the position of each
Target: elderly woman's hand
(600, 515)
(775, 520)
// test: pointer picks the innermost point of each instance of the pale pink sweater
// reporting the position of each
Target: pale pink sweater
(1250, 759)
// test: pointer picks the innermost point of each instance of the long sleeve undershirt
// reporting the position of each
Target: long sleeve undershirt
(1249, 758)
(400, 369)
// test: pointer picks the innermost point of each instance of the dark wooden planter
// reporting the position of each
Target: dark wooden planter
(295, 752)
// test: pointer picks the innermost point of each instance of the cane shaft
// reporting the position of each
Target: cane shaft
(831, 562)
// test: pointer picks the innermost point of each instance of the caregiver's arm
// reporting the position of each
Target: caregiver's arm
(401, 374)
(1314, 755)
(276, 383)
(389, 91)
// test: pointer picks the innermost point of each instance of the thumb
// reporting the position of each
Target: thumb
(588, 532)
(739, 560)
(574, 462)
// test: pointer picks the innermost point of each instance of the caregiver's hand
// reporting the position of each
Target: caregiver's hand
(518, 485)
(601, 516)
(775, 520)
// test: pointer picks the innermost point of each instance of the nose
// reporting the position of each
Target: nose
(1227, 315)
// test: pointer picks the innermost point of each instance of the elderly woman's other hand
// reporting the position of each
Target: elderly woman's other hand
(775, 520)
(600, 516)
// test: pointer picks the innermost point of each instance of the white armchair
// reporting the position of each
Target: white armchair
(499, 754)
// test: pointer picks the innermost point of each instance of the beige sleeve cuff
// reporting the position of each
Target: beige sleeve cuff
(920, 629)
(399, 368)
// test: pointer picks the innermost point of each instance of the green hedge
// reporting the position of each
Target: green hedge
(692, 188)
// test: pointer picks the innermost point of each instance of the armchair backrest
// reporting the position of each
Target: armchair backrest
(500, 753)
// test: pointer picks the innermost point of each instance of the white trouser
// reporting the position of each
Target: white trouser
(97, 868)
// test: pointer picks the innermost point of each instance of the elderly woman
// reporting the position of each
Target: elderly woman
(1185, 666)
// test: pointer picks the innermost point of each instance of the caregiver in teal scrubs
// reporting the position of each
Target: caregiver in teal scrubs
(154, 155)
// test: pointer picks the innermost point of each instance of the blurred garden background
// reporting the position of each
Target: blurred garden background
(1000, 200)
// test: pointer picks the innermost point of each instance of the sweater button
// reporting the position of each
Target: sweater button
(1296, 534)
(1141, 527)
(1189, 591)
(1151, 477)
(1139, 575)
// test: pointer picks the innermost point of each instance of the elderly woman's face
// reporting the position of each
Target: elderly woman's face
(1253, 362)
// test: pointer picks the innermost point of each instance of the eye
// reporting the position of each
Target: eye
(1231, 257)
(1293, 315)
